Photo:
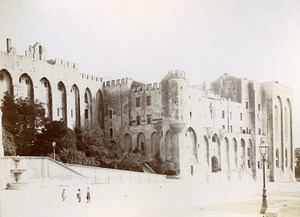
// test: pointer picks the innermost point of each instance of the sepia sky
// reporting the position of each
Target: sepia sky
(254, 39)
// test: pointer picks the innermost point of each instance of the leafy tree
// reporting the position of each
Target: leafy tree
(23, 119)
(8, 143)
(55, 131)
(161, 167)
(297, 156)
(72, 156)
(297, 159)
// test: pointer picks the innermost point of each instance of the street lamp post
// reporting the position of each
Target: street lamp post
(263, 148)
(53, 145)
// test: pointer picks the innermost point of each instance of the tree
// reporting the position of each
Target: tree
(72, 156)
(55, 131)
(297, 156)
(297, 167)
(9, 144)
(23, 119)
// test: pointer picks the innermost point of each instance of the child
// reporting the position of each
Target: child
(88, 195)
(79, 196)
(63, 194)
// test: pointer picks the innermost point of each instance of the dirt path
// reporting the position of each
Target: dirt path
(288, 202)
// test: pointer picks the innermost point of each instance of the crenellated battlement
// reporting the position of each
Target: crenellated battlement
(115, 82)
(63, 63)
(146, 87)
(175, 74)
(91, 77)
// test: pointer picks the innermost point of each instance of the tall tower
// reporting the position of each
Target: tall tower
(174, 95)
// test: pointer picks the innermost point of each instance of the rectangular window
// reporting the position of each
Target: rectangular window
(247, 105)
(138, 120)
(223, 114)
(148, 100)
(110, 113)
(223, 126)
(241, 116)
(191, 114)
(259, 131)
(111, 132)
(148, 119)
(137, 102)
(248, 152)
(258, 107)
(57, 111)
(211, 114)
(71, 113)
(86, 113)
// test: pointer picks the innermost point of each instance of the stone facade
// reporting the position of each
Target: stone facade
(202, 130)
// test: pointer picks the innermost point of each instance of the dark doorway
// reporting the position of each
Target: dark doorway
(214, 164)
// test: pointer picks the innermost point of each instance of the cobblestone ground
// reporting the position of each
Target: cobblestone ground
(170, 198)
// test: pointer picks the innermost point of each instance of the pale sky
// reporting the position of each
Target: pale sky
(254, 39)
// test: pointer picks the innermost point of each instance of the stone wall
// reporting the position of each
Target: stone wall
(203, 129)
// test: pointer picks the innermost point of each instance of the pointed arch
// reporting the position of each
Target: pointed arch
(26, 87)
(216, 144)
(6, 84)
(235, 148)
(87, 108)
(206, 149)
(290, 133)
(191, 141)
(75, 106)
(141, 142)
(155, 149)
(279, 130)
(243, 154)
(62, 102)
(226, 141)
(45, 92)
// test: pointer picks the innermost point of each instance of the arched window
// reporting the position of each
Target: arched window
(141, 141)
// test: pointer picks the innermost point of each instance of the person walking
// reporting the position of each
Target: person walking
(63, 195)
(88, 195)
(78, 195)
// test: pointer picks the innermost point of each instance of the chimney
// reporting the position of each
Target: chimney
(8, 44)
